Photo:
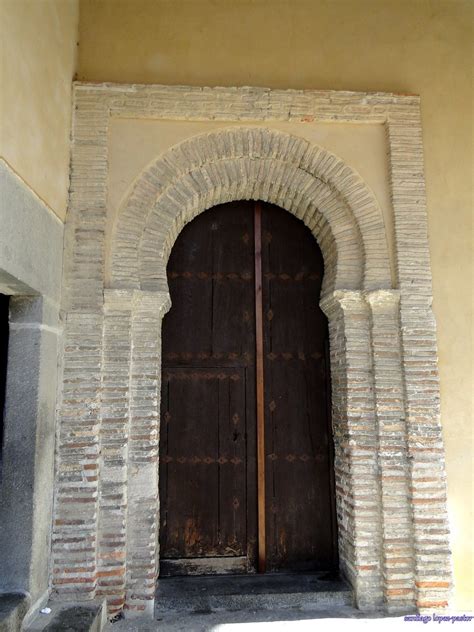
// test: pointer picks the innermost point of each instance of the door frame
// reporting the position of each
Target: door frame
(377, 305)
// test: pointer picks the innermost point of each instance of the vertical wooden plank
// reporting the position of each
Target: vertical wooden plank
(232, 466)
(232, 272)
(260, 390)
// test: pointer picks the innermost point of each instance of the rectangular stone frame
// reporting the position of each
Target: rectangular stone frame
(31, 240)
(393, 529)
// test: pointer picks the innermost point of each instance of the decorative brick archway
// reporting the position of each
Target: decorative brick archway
(389, 469)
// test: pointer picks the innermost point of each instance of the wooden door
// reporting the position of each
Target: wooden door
(211, 520)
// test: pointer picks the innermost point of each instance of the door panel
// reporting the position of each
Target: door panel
(203, 473)
(210, 276)
(298, 493)
(207, 445)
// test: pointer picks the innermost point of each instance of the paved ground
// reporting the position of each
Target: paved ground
(261, 621)
(265, 603)
(313, 602)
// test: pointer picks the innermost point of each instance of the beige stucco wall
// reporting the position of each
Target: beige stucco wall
(414, 46)
(37, 60)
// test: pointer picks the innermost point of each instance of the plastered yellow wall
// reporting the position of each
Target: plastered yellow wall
(38, 58)
(408, 46)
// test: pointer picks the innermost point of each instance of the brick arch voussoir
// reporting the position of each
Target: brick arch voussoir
(166, 181)
(270, 181)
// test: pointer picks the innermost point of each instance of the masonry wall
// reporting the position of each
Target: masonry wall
(411, 46)
(38, 58)
(96, 449)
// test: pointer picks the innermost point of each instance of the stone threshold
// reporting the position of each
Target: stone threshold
(250, 592)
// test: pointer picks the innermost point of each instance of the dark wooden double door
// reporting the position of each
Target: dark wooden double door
(245, 445)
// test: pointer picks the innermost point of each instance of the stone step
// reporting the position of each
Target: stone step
(72, 617)
(13, 607)
(251, 592)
